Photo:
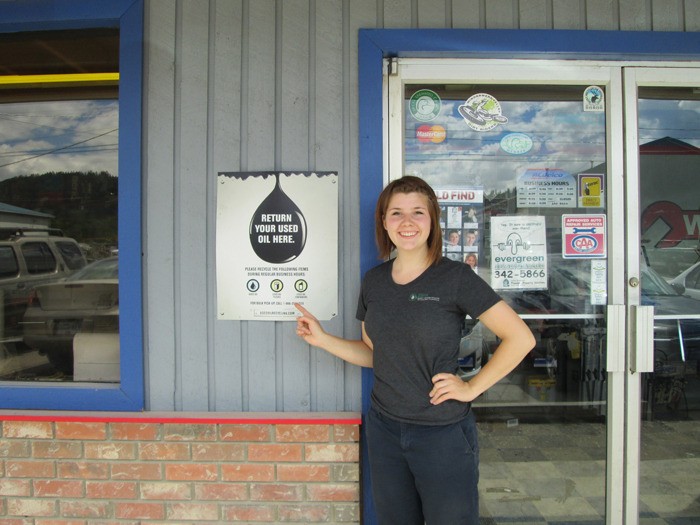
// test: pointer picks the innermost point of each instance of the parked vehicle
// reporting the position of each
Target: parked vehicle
(670, 333)
(569, 293)
(688, 282)
(86, 301)
(31, 257)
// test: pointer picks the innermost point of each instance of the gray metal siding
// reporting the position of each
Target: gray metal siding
(237, 85)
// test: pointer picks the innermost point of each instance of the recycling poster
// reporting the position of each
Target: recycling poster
(276, 245)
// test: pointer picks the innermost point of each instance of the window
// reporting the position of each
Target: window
(70, 101)
(8, 262)
(38, 257)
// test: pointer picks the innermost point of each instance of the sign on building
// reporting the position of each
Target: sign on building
(276, 244)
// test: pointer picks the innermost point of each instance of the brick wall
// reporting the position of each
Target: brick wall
(64, 469)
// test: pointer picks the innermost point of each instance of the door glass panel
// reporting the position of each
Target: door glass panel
(669, 160)
(520, 172)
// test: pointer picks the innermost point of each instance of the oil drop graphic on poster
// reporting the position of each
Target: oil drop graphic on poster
(276, 244)
(278, 228)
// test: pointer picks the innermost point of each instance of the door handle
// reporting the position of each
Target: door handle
(615, 342)
(641, 339)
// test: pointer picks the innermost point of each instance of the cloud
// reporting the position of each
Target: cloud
(40, 137)
(563, 135)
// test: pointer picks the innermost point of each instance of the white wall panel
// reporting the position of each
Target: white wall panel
(294, 124)
(635, 15)
(568, 14)
(395, 13)
(159, 202)
(692, 16)
(224, 147)
(667, 15)
(501, 14)
(246, 85)
(191, 181)
(535, 14)
(432, 14)
(602, 15)
(329, 132)
(468, 14)
(260, 77)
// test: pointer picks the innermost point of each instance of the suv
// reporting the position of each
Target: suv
(29, 257)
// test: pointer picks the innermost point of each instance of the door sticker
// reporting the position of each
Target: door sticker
(590, 190)
(516, 143)
(461, 220)
(482, 112)
(425, 105)
(546, 188)
(519, 251)
(428, 133)
(599, 281)
(583, 236)
(593, 99)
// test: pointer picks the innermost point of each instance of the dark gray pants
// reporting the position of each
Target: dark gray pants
(423, 474)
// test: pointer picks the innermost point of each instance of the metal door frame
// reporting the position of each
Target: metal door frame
(640, 357)
(630, 325)
(545, 72)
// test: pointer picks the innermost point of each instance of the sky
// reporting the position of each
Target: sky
(40, 137)
(563, 136)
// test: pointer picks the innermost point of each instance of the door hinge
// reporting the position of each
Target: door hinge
(393, 67)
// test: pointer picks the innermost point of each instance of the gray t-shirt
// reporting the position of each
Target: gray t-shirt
(416, 329)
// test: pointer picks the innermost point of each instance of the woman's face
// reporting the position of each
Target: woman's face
(407, 221)
(454, 238)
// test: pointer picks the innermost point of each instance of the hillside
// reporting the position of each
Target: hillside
(84, 204)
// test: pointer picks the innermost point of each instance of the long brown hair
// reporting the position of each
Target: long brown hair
(408, 184)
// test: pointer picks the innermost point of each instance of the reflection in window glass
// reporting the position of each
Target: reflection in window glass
(509, 163)
(669, 157)
(58, 209)
(532, 151)
(669, 163)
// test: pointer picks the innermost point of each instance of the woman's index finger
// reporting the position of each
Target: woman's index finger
(303, 310)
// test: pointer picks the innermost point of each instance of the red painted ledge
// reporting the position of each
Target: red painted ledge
(221, 418)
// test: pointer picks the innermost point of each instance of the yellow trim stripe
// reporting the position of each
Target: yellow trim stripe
(74, 79)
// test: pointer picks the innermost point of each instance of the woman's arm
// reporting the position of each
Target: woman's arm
(516, 342)
(357, 352)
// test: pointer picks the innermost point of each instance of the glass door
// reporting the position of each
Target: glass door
(662, 110)
(526, 160)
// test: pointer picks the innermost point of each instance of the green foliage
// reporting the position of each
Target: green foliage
(84, 204)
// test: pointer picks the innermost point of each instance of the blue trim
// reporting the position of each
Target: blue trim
(45, 15)
(533, 43)
(37, 15)
(376, 44)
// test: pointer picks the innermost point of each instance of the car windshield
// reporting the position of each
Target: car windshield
(655, 285)
(104, 269)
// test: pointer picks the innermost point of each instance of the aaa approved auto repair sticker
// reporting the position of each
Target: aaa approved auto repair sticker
(583, 236)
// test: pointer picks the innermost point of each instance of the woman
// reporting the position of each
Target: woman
(421, 432)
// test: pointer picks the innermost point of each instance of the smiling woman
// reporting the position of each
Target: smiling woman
(59, 118)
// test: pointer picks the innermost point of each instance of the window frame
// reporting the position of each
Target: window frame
(128, 16)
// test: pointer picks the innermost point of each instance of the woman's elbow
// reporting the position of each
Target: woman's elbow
(530, 340)
(523, 339)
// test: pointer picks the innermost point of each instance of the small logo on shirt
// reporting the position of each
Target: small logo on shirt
(423, 297)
